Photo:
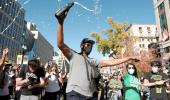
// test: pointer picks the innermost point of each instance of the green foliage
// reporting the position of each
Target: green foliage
(116, 38)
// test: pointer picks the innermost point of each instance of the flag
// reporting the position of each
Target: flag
(165, 36)
(162, 11)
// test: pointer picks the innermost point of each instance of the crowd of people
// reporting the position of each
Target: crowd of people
(84, 81)
(37, 82)
(30, 82)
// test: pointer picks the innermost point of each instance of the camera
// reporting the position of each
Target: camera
(32, 80)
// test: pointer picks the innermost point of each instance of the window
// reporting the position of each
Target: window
(1, 3)
(140, 29)
(148, 29)
(140, 45)
(143, 39)
(162, 16)
(1, 39)
(148, 40)
(143, 45)
(156, 30)
(169, 3)
(0, 16)
(1, 21)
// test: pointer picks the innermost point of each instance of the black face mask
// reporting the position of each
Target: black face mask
(87, 49)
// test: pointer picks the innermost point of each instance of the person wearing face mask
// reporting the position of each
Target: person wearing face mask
(53, 81)
(131, 83)
(156, 81)
(116, 85)
(83, 69)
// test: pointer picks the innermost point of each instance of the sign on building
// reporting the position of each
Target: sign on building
(20, 60)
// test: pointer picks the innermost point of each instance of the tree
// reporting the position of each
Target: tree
(119, 41)
(117, 37)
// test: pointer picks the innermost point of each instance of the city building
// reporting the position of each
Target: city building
(58, 58)
(162, 15)
(29, 42)
(41, 48)
(146, 34)
(11, 27)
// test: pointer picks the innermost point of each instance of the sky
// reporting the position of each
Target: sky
(80, 22)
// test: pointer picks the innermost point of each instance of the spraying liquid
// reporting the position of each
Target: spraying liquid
(96, 10)
(83, 6)
(63, 11)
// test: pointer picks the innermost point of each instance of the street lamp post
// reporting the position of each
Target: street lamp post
(24, 48)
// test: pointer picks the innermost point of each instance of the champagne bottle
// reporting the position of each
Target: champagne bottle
(62, 12)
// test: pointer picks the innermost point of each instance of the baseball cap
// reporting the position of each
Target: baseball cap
(156, 63)
(6, 63)
(87, 40)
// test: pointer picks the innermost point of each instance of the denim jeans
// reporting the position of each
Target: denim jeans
(77, 96)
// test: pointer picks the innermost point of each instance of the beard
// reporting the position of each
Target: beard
(87, 50)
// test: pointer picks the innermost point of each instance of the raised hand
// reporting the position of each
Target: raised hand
(62, 13)
(61, 19)
(5, 51)
(2, 60)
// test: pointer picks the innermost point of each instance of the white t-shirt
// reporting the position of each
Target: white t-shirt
(80, 75)
(53, 84)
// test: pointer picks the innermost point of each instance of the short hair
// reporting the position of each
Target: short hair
(156, 63)
(33, 63)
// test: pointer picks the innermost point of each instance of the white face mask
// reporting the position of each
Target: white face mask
(131, 71)
(154, 69)
(53, 77)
